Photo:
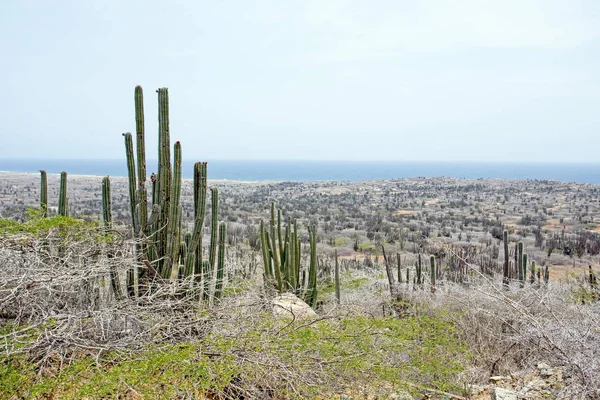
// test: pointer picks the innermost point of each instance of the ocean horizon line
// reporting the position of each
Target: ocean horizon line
(331, 170)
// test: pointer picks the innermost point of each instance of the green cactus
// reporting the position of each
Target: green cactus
(546, 276)
(274, 253)
(107, 218)
(264, 244)
(419, 270)
(142, 193)
(524, 269)
(159, 235)
(520, 263)
(433, 273)
(44, 193)
(221, 261)
(282, 260)
(337, 278)
(212, 253)
(311, 289)
(106, 203)
(506, 270)
(399, 262)
(532, 273)
(63, 201)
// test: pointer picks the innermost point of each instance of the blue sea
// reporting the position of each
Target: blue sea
(326, 170)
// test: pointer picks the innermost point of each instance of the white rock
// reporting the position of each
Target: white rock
(503, 394)
(289, 305)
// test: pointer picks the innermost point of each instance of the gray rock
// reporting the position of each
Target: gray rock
(289, 305)
(503, 394)
(545, 369)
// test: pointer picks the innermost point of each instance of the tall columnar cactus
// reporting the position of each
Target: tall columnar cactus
(524, 267)
(106, 203)
(419, 271)
(142, 193)
(532, 273)
(174, 220)
(546, 276)
(115, 284)
(337, 278)
(212, 253)
(63, 201)
(433, 273)
(274, 253)
(506, 270)
(520, 263)
(311, 289)
(194, 263)
(220, 261)
(264, 244)
(399, 264)
(44, 193)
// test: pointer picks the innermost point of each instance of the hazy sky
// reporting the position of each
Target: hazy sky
(505, 80)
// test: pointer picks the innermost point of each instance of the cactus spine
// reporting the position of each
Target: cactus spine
(44, 193)
(63, 202)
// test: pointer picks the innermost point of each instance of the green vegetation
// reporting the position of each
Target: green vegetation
(353, 353)
(36, 225)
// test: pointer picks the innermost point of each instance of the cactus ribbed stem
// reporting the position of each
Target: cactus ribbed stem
(524, 268)
(337, 278)
(520, 262)
(506, 270)
(172, 251)
(265, 249)
(399, 264)
(212, 251)
(194, 262)
(132, 183)
(106, 202)
(221, 260)
(63, 202)
(44, 193)
(433, 273)
(275, 253)
(311, 290)
(107, 217)
(419, 270)
(142, 194)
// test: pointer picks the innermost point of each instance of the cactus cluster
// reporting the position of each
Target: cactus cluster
(281, 255)
(161, 246)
